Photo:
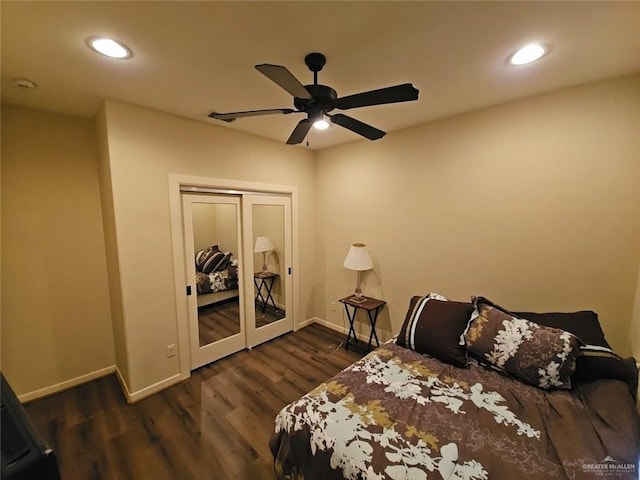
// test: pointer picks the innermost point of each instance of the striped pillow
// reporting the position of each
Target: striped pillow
(596, 363)
(211, 259)
(433, 326)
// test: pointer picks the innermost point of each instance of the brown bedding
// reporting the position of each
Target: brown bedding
(220, 280)
(397, 414)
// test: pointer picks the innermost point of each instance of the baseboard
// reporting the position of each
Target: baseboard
(66, 385)
(123, 384)
(306, 323)
(342, 329)
(133, 397)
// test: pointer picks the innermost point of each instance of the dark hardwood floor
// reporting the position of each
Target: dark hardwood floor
(268, 314)
(216, 425)
(221, 320)
(218, 321)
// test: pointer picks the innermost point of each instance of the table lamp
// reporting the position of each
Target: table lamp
(358, 259)
(263, 245)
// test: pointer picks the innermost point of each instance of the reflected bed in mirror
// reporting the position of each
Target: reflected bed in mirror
(217, 289)
(216, 275)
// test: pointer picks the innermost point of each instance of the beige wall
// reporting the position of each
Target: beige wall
(144, 148)
(56, 321)
(215, 224)
(534, 204)
(111, 248)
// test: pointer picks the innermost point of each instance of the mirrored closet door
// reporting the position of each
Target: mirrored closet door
(267, 254)
(214, 259)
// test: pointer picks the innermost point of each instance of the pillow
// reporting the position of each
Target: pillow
(211, 259)
(584, 325)
(434, 326)
(204, 255)
(219, 261)
(539, 355)
(596, 362)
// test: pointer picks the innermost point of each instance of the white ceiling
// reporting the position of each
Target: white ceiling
(191, 58)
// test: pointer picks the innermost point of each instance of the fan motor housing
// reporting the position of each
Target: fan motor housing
(324, 98)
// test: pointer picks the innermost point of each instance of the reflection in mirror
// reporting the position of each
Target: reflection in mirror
(215, 239)
(268, 263)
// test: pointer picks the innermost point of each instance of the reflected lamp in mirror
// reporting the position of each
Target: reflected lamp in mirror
(264, 245)
(358, 259)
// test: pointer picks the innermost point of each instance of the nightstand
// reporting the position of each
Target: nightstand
(372, 306)
(264, 281)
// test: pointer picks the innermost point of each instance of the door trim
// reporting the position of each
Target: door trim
(175, 183)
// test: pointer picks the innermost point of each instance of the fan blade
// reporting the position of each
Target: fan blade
(357, 126)
(399, 93)
(301, 130)
(231, 116)
(285, 79)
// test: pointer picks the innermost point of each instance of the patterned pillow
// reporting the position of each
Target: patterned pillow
(539, 355)
(211, 259)
(593, 363)
(433, 326)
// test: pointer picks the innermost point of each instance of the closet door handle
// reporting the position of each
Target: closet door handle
(188, 290)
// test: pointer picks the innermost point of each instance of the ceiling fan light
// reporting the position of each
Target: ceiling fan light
(527, 54)
(109, 48)
(321, 124)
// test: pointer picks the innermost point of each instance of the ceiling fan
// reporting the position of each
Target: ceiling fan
(318, 100)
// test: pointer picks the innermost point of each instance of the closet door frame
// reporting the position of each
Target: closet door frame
(178, 184)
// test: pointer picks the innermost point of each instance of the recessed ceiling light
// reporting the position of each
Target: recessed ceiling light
(109, 47)
(527, 54)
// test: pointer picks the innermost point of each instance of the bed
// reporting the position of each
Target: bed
(216, 275)
(470, 391)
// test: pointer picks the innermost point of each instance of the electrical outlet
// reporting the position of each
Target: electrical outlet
(171, 350)
(333, 306)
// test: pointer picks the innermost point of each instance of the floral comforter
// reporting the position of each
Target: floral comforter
(396, 414)
(218, 281)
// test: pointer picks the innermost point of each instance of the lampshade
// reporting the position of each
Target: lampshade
(263, 244)
(358, 258)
